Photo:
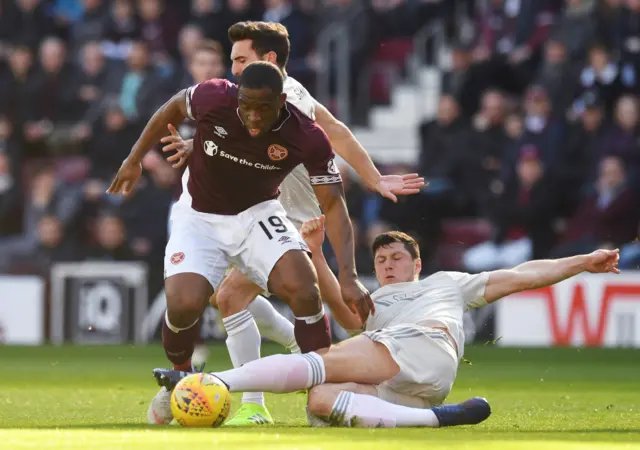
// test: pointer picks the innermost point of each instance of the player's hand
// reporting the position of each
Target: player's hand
(603, 261)
(175, 143)
(391, 185)
(357, 298)
(312, 232)
(126, 178)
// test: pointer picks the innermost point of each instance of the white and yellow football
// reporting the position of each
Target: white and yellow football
(200, 400)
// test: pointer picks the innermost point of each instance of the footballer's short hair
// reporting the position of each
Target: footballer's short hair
(390, 237)
(261, 75)
(265, 37)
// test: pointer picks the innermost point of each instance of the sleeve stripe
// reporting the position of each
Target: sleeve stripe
(189, 94)
(325, 179)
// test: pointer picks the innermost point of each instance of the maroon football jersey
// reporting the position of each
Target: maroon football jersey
(230, 171)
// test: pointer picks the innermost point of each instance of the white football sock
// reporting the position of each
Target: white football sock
(243, 343)
(278, 373)
(367, 411)
(272, 324)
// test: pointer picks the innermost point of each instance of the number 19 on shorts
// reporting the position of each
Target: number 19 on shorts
(273, 225)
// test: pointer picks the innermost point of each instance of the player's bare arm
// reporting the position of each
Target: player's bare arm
(542, 273)
(313, 232)
(174, 111)
(347, 146)
(340, 234)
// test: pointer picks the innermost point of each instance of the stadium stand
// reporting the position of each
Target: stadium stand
(523, 115)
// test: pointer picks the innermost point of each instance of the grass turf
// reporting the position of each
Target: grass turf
(97, 398)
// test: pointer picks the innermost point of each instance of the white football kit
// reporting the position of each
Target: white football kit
(296, 194)
(410, 320)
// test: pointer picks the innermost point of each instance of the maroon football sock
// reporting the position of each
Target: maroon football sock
(312, 336)
(178, 346)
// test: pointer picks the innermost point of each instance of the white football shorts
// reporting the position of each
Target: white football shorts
(428, 365)
(207, 244)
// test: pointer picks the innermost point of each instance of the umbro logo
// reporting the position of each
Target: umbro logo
(220, 132)
(284, 240)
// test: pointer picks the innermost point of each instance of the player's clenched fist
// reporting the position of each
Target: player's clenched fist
(126, 178)
(313, 233)
(603, 261)
(357, 298)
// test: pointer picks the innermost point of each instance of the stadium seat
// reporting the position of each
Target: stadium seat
(457, 236)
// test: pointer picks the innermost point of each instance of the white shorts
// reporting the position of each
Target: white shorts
(428, 365)
(207, 244)
(298, 197)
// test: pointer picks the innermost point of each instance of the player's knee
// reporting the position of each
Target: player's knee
(303, 296)
(186, 302)
(230, 301)
(321, 399)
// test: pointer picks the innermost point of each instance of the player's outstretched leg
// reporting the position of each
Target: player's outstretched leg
(358, 360)
(294, 280)
(357, 406)
(187, 297)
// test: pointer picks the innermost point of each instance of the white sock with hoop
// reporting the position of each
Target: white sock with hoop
(243, 343)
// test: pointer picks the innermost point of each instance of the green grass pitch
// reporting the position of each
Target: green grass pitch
(97, 397)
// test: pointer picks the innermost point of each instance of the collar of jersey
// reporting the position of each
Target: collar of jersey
(286, 117)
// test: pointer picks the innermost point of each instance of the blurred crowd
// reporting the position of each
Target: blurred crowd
(536, 130)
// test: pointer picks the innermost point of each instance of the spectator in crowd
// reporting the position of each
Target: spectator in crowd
(622, 137)
(123, 27)
(110, 240)
(51, 103)
(14, 85)
(50, 224)
(29, 22)
(522, 218)
(91, 82)
(578, 161)
(575, 28)
(602, 73)
(445, 144)
(490, 140)
(557, 76)
(91, 26)
(113, 127)
(159, 30)
(626, 33)
(608, 218)
(188, 40)
(541, 130)
(511, 37)
(465, 81)
(139, 87)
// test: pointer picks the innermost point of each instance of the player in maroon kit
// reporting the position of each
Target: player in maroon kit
(247, 140)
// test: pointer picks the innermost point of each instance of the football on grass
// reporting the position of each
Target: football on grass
(200, 400)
